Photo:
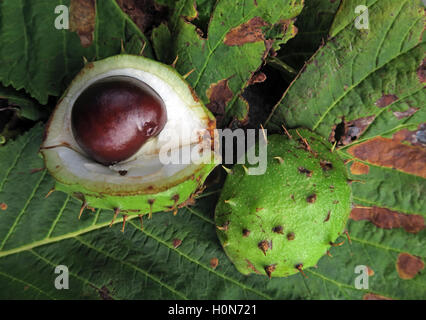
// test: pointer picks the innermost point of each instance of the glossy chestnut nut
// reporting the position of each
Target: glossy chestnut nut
(115, 116)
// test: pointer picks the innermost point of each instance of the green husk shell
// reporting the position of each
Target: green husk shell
(128, 195)
(285, 220)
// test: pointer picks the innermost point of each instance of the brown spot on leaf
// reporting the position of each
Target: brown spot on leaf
(408, 266)
(388, 219)
(104, 293)
(373, 296)
(82, 20)
(257, 77)
(248, 32)
(258, 209)
(406, 113)
(312, 198)
(3, 206)
(415, 138)
(176, 242)
(386, 100)
(264, 246)
(392, 154)
(146, 14)
(305, 171)
(358, 168)
(214, 262)
(290, 236)
(219, 94)
(421, 71)
(370, 271)
(348, 131)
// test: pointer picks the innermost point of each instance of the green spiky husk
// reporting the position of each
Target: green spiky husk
(279, 207)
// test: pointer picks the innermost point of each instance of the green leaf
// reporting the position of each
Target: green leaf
(313, 25)
(27, 108)
(37, 57)
(348, 76)
(37, 234)
(240, 34)
(161, 39)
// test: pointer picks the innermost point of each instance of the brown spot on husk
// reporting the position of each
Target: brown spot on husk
(392, 154)
(224, 227)
(176, 242)
(408, 266)
(219, 94)
(269, 269)
(326, 165)
(82, 20)
(251, 266)
(312, 198)
(388, 219)
(372, 296)
(214, 262)
(351, 130)
(3, 206)
(248, 32)
(278, 229)
(328, 216)
(122, 172)
(307, 172)
(264, 246)
(358, 168)
(386, 100)
(194, 94)
(421, 71)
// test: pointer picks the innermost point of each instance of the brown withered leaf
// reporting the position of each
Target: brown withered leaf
(373, 296)
(408, 266)
(219, 94)
(248, 32)
(82, 20)
(388, 219)
(389, 153)
(386, 100)
(146, 14)
(358, 168)
(348, 131)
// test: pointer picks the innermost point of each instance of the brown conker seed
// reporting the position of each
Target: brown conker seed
(115, 116)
